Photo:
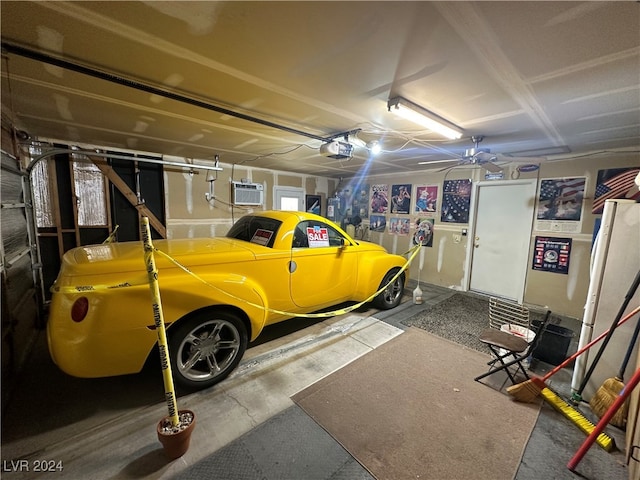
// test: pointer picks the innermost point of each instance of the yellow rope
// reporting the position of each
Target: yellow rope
(341, 311)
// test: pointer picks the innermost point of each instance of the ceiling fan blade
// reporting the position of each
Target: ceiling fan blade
(507, 158)
(427, 162)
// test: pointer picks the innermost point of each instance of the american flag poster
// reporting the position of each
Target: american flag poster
(456, 198)
(551, 254)
(615, 183)
(561, 198)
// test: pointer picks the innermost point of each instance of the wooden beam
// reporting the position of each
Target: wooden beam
(129, 194)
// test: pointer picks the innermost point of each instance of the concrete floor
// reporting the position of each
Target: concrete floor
(247, 426)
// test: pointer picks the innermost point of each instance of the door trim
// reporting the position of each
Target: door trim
(475, 191)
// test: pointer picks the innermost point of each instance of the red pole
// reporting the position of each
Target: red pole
(604, 421)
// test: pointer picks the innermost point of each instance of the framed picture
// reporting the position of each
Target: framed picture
(312, 204)
(400, 198)
(456, 198)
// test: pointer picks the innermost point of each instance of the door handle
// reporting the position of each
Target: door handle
(292, 266)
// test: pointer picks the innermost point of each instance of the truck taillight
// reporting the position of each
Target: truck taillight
(79, 309)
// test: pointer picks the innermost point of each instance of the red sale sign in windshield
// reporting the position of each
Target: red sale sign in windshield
(318, 237)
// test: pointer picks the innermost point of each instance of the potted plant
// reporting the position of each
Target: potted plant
(174, 430)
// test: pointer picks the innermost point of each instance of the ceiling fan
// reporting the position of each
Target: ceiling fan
(484, 157)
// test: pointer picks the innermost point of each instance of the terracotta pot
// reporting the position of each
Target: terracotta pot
(176, 444)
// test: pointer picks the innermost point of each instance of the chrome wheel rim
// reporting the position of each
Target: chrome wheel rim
(393, 291)
(208, 350)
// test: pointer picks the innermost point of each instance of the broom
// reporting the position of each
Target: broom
(608, 392)
(622, 398)
(576, 397)
(529, 390)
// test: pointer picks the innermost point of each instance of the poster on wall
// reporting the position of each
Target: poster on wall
(312, 204)
(456, 198)
(424, 232)
(551, 254)
(378, 223)
(401, 198)
(360, 203)
(426, 200)
(399, 226)
(559, 206)
(615, 183)
(333, 207)
(379, 198)
(339, 207)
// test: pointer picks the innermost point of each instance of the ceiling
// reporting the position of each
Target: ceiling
(264, 84)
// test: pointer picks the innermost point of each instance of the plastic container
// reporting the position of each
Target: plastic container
(518, 331)
(554, 344)
(417, 295)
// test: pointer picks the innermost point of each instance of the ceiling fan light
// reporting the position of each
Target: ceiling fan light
(412, 112)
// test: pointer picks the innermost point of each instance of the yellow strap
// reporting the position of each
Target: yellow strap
(341, 311)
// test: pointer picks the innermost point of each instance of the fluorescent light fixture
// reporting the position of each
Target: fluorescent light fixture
(410, 111)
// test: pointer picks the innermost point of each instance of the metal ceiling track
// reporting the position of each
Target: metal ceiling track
(106, 155)
(127, 82)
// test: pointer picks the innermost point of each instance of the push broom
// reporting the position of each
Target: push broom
(529, 390)
(608, 392)
(576, 397)
(604, 421)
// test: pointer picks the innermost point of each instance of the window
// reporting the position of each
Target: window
(88, 188)
(90, 193)
(288, 198)
(255, 229)
(304, 231)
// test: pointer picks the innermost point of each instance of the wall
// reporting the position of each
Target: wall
(444, 263)
(189, 214)
(20, 300)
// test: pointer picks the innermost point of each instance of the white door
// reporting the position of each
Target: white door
(288, 198)
(501, 237)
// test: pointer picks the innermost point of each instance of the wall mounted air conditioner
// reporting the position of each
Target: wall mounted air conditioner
(247, 193)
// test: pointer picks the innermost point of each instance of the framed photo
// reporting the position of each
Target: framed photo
(551, 254)
(312, 204)
(456, 198)
(400, 198)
